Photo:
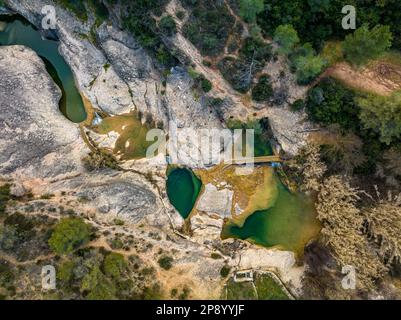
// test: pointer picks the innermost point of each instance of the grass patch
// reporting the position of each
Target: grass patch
(240, 291)
(269, 289)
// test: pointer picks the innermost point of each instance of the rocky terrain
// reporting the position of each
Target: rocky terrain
(41, 152)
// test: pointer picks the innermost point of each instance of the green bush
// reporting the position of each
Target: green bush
(75, 6)
(165, 262)
(114, 264)
(252, 58)
(138, 19)
(364, 44)
(263, 91)
(317, 21)
(167, 25)
(330, 103)
(69, 234)
(250, 8)
(4, 197)
(308, 68)
(180, 15)
(286, 37)
(206, 85)
(208, 26)
(298, 105)
(65, 271)
(96, 286)
(225, 271)
(382, 114)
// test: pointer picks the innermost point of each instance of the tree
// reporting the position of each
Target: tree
(330, 102)
(286, 37)
(342, 223)
(341, 151)
(114, 264)
(364, 44)
(250, 8)
(97, 286)
(382, 114)
(308, 68)
(390, 168)
(69, 234)
(311, 167)
(263, 91)
(4, 197)
(384, 225)
(167, 25)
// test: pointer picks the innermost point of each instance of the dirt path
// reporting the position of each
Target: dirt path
(379, 77)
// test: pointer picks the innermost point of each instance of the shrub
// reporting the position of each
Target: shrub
(75, 6)
(4, 197)
(206, 85)
(263, 91)
(165, 262)
(68, 235)
(382, 114)
(65, 271)
(298, 105)
(97, 287)
(98, 160)
(252, 58)
(330, 103)
(250, 8)
(114, 264)
(286, 37)
(365, 44)
(225, 271)
(209, 26)
(167, 25)
(180, 15)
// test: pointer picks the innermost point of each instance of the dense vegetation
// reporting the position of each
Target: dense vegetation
(139, 21)
(209, 25)
(302, 58)
(4, 197)
(239, 72)
(373, 119)
(83, 272)
(364, 44)
(318, 21)
(357, 230)
(68, 235)
(262, 91)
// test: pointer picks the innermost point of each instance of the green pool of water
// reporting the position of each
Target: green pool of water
(183, 188)
(18, 31)
(289, 223)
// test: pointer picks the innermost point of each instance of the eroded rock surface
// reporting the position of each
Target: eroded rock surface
(216, 201)
(36, 140)
(41, 151)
